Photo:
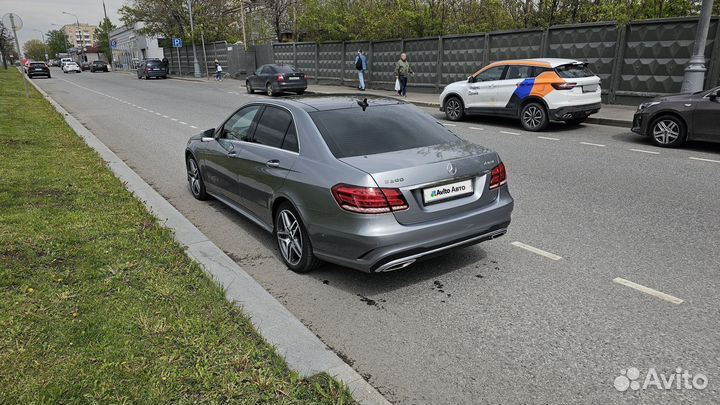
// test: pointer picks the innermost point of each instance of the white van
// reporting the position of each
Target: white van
(64, 61)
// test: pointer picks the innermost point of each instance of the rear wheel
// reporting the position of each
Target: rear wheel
(248, 87)
(269, 90)
(293, 241)
(667, 131)
(534, 117)
(195, 181)
(454, 110)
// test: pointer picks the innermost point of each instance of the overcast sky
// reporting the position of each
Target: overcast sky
(41, 14)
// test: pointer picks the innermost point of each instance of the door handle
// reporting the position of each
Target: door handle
(272, 163)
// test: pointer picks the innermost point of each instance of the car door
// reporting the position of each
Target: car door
(481, 92)
(221, 162)
(267, 159)
(514, 82)
(705, 118)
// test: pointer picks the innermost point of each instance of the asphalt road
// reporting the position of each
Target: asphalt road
(494, 323)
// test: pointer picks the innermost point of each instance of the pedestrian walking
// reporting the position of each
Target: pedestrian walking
(361, 67)
(402, 71)
(166, 65)
(218, 71)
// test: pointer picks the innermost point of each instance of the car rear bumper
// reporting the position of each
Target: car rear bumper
(574, 112)
(291, 86)
(392, 246)
(157, 73)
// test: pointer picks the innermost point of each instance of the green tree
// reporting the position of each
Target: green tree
(6, 44)
(34, 49)
(57, 42)
(101, 34)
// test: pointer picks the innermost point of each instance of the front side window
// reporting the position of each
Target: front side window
(238, 127)
(272, 127)
(490, 74)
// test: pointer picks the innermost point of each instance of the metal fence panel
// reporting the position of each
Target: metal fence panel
(306, 58)
(385, 55)
(656, 54)
(515, 45)
(330, 60)
(462, 56)
(423, 56)
(284, 54)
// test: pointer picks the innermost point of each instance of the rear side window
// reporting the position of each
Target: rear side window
(291, 142)
(378, 129)
(519, 72)
(574, 71)
(272, 127)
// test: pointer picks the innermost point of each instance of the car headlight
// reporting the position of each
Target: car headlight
(647, 105)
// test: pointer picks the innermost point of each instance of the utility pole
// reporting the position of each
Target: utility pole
(105, 21)
(694, 79)
(14, 30)
(196, 65)
(242, 21)
(82, 39)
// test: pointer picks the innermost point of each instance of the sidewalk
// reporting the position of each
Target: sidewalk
(610, 114)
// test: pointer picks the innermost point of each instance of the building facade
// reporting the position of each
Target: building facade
(82, 37)
(129, 47)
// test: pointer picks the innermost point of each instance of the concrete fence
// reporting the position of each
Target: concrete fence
(641, 59)
(235, 60)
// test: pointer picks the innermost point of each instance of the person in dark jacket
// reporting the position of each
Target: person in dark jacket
(361, 67)
(166, 65)
(402, 71)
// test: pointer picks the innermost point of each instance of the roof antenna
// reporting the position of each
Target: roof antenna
(364, 104)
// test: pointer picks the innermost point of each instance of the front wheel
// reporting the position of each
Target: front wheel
(667, 131)
(195, 181)
(293, 241)
(454, 110)
(248, 88)
(533, 117)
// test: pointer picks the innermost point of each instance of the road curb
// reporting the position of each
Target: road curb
(302, 350)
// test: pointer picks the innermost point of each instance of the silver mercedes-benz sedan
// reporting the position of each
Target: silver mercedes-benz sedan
(370, 183)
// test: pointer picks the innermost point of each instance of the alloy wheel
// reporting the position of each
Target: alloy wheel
(533, 117)
(453, 109)
(248, 87)
(666, 131)
(268, 89)
(289, 237)
(194, 178)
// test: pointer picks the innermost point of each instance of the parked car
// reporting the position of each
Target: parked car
(69, 67)
(151, 68)
(63, 61)
(671, 120)
(38, 69)
(98, 66)
(276, 79)
(85, 66)
(534, 90)
(373, 184)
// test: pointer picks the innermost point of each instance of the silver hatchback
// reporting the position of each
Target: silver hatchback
(370, 183)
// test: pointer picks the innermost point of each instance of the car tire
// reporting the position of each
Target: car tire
(667, 131)
(195, 181)
(454, 109)
(268, 90)
(299, 259)
(576, 121)
(534, 117)
(248, 87)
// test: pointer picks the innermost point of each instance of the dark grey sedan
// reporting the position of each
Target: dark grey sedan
(373, 184)
(276, 79)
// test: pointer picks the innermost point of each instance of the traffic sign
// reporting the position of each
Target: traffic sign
(177, 43)
(113, 44)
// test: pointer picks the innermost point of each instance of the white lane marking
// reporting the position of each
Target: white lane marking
(449, 125)
(535, 250)
(704, 160)
(181, 122)
(151, 111)
(165, 116)
(509, 133)
(193, 127)
(548, 138)
(477, 128)
(145, 109)
(645, 151)
(134, 105)
(157, 113)
(648, 290)
(174, 119)
(593, 144)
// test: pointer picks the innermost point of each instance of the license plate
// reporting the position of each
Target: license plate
(293, 78)
(590, 89)
(446, 191)
(38, 69)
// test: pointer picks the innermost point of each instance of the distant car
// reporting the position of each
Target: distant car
(64, 61)
(98, 66)
(276, 79)
(534, 90)
(85, 66)
(151, 68)
(38, 69)
(68, 67)
(370, 183)
(671, 120)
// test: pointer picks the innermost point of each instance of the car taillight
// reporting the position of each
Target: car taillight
(369, 200)
(564, 86)
(498, 177)
(280, 78)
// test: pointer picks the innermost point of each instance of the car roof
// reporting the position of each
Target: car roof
(311, 103)
(542, 62)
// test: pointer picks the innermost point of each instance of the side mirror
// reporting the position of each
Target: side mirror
(208, 135)
(471, 79)
(713, 96)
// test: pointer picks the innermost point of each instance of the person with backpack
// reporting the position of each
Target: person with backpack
(361, 67)
(402, 71)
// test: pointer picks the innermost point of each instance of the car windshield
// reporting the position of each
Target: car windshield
(574, 71)
(153, 63)
(285, 69)
(379, 129)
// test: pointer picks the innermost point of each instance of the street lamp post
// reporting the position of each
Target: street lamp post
(694, 79)
(196, 65)
(44, 43)
(82, 39)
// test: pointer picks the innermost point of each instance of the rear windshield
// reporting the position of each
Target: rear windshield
(153, 63)
(37, 64)
(98, 62)
(379, 129)
(574, 71)
(284, 69)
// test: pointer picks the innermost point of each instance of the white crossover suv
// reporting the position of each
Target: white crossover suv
(533, 90)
